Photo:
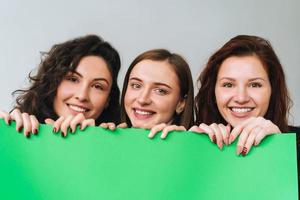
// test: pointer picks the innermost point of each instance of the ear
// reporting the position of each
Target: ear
(180, 106)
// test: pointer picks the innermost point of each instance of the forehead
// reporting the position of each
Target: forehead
(154, 71)
(242, 67)
(93, 66)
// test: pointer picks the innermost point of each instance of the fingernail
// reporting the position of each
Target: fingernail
(244, 152)
(54, 130)
(8, 122)
(220, 144)
(71, 130)
(27, 135)
(238, 150)
(230, 140)
(19, 129)
(62, 134)
(214, 139)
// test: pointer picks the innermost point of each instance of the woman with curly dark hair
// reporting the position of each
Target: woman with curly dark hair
(76, 83)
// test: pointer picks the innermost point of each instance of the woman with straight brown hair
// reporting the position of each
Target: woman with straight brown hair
(243, 93)
(157, 93)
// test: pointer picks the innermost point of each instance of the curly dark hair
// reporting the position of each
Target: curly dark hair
(182, 70)
(63, 58)
(244, 45)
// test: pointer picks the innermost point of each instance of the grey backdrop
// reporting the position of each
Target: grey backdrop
(194, 28)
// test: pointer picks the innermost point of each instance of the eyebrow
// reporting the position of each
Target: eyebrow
(95, 79)
(155, 83)
(251, 79)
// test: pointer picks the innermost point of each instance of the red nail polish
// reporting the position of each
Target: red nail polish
(54, 130)
(27, 135)
(35, 131)
(62, 134)
(244, 152)
(214, 139)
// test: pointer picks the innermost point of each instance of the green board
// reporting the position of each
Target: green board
(125, 164)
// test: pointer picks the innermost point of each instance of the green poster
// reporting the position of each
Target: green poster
(125, 164)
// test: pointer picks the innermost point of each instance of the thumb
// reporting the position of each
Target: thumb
(49, 121)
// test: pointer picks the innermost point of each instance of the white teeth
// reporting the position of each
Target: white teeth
(77, 109)
(241, 110)
(140, 112)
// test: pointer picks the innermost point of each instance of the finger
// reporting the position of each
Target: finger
(104, 125)
(236, 131)
(17, 116)
(57, 124)
(122, 125)
(75, 121)
(87, 122)
(218, 135)
(26, 124)
(5, 115)
(247, 130)
(34, 124)
(155, 129)
(111, 126)
(65, 125)
(259, 137)
(196, 129)
(268, 128)
(168, 129)
(208, 130)
(225, 133)
(250, 140)
(49, 121)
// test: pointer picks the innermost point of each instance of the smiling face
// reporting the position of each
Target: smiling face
(86, 90)
(242, 89)
(153, 94)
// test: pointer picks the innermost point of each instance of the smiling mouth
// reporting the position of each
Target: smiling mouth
(143, 113)
(240, 110)
(78, 109)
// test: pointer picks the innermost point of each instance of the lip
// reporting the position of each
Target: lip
(241, 112)
(76, 109)
(142, 114)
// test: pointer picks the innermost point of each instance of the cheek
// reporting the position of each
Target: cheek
(63, 92)
(100, 100)
(263, 102)
(167, 105)
(129, 97)
(222, 97)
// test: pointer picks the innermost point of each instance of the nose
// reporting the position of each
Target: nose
(82, 93)
(242, 95)
(144, 97)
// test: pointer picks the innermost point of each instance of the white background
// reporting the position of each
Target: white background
(194, 28)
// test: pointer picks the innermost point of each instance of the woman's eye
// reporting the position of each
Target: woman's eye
(255, 85)
(135, 85)
(72, 79)
(227, 85)
(161, 91)
(99, 87)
